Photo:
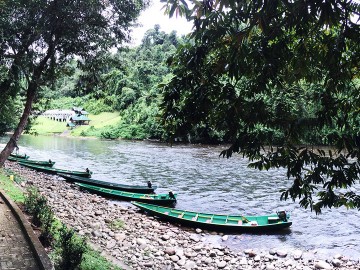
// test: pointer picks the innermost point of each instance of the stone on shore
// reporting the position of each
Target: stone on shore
(322, 265)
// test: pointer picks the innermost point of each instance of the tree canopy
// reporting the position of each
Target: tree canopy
(266, 75)
(124, 82)
(38, 35)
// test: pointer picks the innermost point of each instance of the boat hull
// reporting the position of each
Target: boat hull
(110, 185)
(188, 218)
(158, 199)
(51, 170)
(34, 162)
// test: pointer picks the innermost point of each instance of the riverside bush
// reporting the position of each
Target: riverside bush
(47, 220)
(109, 133)
(30, 200)
(42, 215)
(70, 248)
(39, 207)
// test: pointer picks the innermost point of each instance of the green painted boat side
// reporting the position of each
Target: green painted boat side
(11, 158)
(19, 156)
(216, 222)
(110, 185)
(35, 162)
(55, 170)
(159, 199)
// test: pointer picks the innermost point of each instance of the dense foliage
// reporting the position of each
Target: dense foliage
(11, 108)
(277, 74)
(126, 81)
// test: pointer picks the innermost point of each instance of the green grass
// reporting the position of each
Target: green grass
(98, 122)
(10, 187)
(117, 224)
(92, 260)
(45, 126)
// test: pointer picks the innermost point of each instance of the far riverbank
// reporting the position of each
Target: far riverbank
(143, 242)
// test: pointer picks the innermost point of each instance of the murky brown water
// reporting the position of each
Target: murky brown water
(204, 182)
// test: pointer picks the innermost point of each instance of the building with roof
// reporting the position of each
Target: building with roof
(74, 117)
(79, 119)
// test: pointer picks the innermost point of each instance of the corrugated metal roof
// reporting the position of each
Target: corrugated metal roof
(80, 118)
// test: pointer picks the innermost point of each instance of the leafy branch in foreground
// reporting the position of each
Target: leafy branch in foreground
(271, 76)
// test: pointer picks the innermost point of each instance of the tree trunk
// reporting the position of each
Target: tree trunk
(30, 97)
(12, 144)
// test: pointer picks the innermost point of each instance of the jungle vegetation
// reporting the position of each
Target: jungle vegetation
(274, 79)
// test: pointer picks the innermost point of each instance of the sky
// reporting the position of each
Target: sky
(154, 15)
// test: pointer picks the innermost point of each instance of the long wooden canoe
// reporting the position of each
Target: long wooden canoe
(48, 163)
(51, 170)
(160, 199)
(19, 156)
(110, 185)
(216, 222)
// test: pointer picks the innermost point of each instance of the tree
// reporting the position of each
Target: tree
(38, 35)
(251, 71)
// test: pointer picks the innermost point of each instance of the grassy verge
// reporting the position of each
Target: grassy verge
(14, 191)
(91, 260)
(45, 126)
(97, 124)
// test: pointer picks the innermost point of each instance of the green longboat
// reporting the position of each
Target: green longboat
(48, 163)
(159, 199)
(110, 185)
(51, 170)
(19, 156)
(216, 222)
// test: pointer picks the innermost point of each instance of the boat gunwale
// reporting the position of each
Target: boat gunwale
(124, 193)
(19, 156)
(32, 161)
(52, 169)
(140, 197)
(111, 185)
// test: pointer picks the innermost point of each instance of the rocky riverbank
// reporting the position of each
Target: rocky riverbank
(136, 241)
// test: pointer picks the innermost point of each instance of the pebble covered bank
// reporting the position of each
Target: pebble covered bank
(143, 242)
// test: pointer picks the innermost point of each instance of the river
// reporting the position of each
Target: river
(205, 182)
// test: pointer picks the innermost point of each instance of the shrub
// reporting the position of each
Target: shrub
(71, 249)
(47, 221)
(40, 204)
(109, 132)
(42, 214)
(30, 201)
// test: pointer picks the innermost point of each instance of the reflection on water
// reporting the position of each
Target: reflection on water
(205, 182)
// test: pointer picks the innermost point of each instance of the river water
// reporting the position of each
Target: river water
(205, 182)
